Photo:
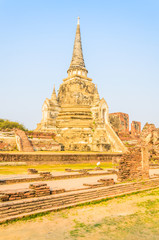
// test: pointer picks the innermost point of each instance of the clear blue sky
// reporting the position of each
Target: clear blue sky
(120, 41)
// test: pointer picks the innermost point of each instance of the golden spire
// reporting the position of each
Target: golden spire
(77, 61)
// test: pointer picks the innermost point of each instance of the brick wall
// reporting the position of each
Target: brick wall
(59, 157)
(7, 141)
(119, 122)
(42, 135)
(134, 164)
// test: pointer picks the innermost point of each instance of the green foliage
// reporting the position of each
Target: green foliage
(9, 125)
(30, 132)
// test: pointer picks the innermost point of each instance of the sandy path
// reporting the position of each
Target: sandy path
(68, 184)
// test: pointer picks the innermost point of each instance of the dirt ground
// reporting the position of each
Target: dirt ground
(129, 217)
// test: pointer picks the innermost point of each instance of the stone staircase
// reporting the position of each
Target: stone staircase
(114, 139)
(23, 143)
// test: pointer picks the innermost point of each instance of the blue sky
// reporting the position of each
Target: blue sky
(120, 40)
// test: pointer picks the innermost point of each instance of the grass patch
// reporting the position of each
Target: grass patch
(27, 218)
(150, 204)
(141, 226)
(56, 167)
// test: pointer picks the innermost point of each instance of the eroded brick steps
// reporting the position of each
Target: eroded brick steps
(24, 143)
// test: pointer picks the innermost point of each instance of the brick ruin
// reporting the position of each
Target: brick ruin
(34, 190)
(134, 164)
(150, 135)
(135, 128)
(23, 143)
(29, 206)
(28, 141)
(120, 123)
(7, 141)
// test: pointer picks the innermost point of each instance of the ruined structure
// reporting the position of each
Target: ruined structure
(23, 143)
(119, 122)
(77, 115)
(134, 164)
(135, 128)
(28, 141)
(150, 135)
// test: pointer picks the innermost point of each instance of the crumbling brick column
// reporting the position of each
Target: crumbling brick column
(134, 164)
(135, 128)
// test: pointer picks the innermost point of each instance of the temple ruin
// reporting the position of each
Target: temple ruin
(77, 115)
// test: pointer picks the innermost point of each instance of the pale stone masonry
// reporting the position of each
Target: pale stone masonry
(77, 115)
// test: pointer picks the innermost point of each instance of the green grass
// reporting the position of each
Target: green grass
(56, 167)
(142, 225)
(136, 226)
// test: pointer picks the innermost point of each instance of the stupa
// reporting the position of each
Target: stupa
(77, 115)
